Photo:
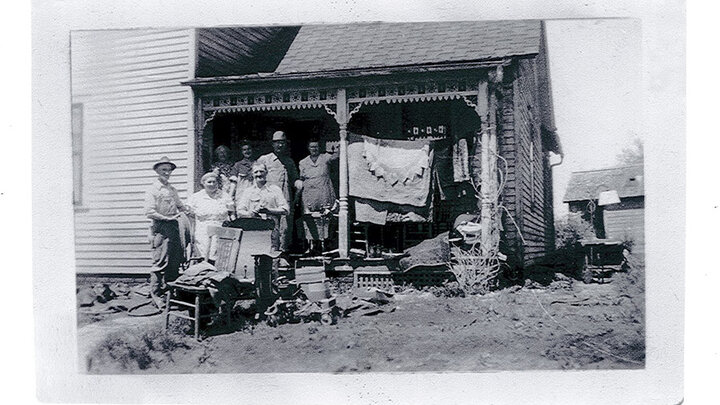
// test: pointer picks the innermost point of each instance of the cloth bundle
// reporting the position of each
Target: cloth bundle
(380, 213)
(222, 286)
(461, 165)
(452, 169)
(430, 252)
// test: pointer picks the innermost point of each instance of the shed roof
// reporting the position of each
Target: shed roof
(587, 185)
(370, 45)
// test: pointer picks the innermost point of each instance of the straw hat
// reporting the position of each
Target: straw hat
(164, 160)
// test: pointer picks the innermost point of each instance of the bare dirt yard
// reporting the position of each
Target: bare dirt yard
(555, 323)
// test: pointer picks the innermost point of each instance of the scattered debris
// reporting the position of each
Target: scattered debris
(554, 322)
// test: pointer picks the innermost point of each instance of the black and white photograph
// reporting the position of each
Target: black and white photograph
(309, 201)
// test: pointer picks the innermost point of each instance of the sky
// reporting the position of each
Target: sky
(595, 73)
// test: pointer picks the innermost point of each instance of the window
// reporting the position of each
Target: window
(76, 117)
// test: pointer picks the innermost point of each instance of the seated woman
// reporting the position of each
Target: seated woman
(211, 206)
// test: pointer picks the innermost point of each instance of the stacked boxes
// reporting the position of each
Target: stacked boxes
(310, 275)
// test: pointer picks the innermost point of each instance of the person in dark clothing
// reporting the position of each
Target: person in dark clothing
(163, 207)
(281, 172)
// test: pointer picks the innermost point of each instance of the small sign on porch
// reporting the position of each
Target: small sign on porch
(439, 131)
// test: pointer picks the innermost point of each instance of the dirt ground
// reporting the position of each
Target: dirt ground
(561, 324)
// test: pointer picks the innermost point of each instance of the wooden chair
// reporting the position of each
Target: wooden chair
(197, 299)
(359, 237)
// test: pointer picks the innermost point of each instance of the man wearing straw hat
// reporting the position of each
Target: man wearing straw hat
(167, 231)
(281, 172)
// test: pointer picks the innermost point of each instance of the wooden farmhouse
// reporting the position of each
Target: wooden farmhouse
(623, 216)
(473, 98)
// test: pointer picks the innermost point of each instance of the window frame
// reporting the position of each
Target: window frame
(77, 127)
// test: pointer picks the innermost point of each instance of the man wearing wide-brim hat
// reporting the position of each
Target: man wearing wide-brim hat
(164, 208)
(282, 172)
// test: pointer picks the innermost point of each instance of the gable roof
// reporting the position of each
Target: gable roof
(370, 45)
(228, 51)
(586, 185)
(277, 51)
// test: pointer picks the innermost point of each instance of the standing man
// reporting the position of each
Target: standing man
(163, 207)
(281, 172)
(264, 200)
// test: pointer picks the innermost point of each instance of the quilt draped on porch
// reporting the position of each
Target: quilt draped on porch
(392, 171)
(390, 179)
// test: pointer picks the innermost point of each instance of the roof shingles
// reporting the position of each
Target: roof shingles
(587, 185)
(370, 45)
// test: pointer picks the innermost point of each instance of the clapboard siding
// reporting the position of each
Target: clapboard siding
(162, 71)
(532, 167)
(139, 150)
(510, 197)
(178, 173)
(142, 87)
(134, 111)
(169, 135)
(113, 248)
(121, 145)
(123, 99)
(108, 241)
(626, 225)
(134, 159)
(160, 111)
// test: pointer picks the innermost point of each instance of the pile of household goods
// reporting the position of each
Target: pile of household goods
(306, 297)
(294, 306)
(223, 287)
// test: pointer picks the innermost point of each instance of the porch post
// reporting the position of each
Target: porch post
(342, 118)
(492, 188)
(486, 108)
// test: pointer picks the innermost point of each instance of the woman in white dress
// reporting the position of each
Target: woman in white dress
(211, 206)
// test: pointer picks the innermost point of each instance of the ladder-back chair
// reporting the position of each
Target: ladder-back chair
(197, 299)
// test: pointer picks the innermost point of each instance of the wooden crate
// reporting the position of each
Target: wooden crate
(378, 276)
(309, 271)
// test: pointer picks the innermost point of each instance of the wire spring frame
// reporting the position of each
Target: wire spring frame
(477, 269)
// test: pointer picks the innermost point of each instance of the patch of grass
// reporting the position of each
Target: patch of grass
(128, 351)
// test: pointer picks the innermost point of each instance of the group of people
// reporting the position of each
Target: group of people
(264, 188)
